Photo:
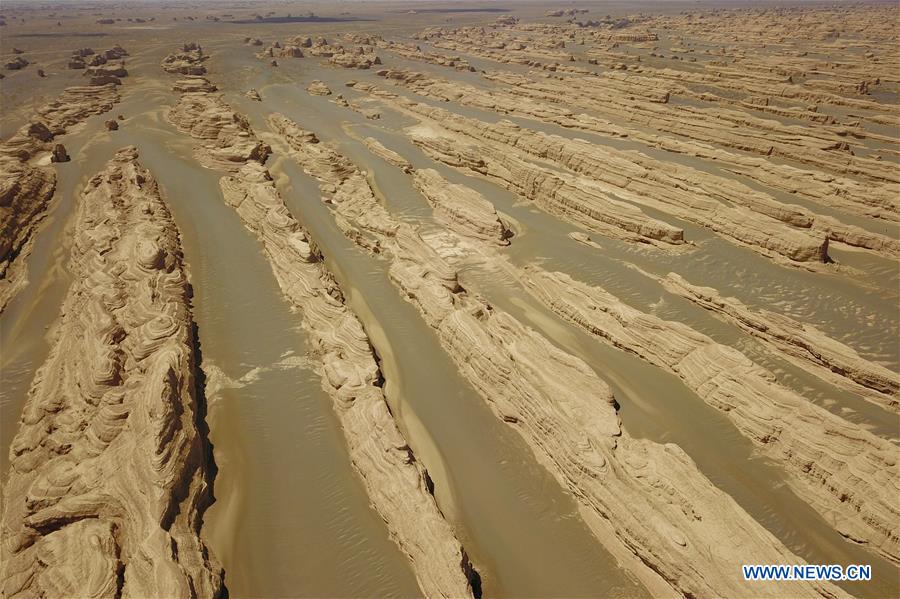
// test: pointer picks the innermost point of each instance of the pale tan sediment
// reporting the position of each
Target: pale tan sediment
(801, 343)
(395, 480)
(844, 472)
(633, 492)
(109, 472)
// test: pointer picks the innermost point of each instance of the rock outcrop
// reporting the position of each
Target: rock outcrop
(395, 480)
(788, 233)
(59, 154)
(25, 193)
(461, 208)
(109, 472)
(571, 198)
(76, 104)
(646, 503)
(724, 141)
(317, 88)
(846, 473)
(801, 343)
(388, 155)
(26, 188)
(228, 141)
(188, 61)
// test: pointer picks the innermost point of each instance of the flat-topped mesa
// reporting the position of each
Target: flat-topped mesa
(227, 139)
(574, 199)
(844, 472)
(646, 503)
(109, 474)
(462, 208)
(801, 343)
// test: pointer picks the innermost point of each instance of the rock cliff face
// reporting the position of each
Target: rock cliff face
(394, 479)
(228, 141)
(462, 208)
(25, 193)
(788, 233)
(802, 343)
(27, 188)
(847, 474)
(109, 470)
(570, 198)
(646, 503)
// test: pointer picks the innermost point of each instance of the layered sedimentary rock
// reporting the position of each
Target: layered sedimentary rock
(832, 186)
(193, 84)
(395, 480)
(354, 60)
(76, 104)
(228, 141)
(574, 199)
(461, 207)
(847, 474)
(386, 154)
(26, 187)
(685, 192)
(25, 192)
(802, 343)
(189, 61)
(317, 88)
(109, 472)
(646, 503)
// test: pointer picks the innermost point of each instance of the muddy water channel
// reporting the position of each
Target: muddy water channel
(486, 480)
(291, 517)
(654, 404)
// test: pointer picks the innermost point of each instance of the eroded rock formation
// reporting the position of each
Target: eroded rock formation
(109, 470)
(802, 343)
(461, 207)
(647, 503)
(394, 479)
(228, 141)
(317, 88)
(843, 471)
(26, 187)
